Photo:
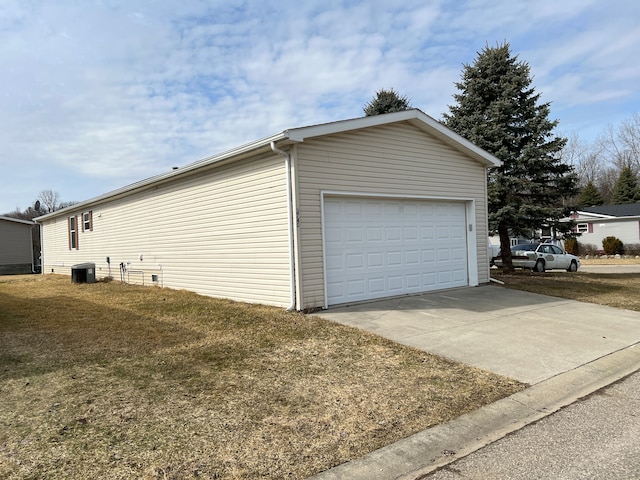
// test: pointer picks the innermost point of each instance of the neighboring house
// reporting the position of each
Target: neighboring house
(310, 217)
(596, 223)
(16, 246)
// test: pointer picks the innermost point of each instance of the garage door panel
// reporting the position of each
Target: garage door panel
(355, 261)
(427, 232)
(413, 281)
(458, 232)
(412, 257)
(428, 256)
(356, 287)
(378, 248)
(444, 278)
(375, 259)
(410, 233)
(354, 234)
(333, 235)
(353, 209)
(376, 285)
(443, 255)
(460, 275)
(394, 259)
(393, 234)
(374, 234)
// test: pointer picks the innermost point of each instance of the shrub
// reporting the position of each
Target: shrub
(612, 245)
(632, 249)
(588, 249)
(571, 246)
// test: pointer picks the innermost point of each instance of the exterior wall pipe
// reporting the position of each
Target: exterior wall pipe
(292, 270)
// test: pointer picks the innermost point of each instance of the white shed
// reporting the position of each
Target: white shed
(310, 217)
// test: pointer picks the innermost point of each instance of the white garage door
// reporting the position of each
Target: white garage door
(377, 248)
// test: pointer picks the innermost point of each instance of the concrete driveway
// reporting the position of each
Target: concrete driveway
(525, 336)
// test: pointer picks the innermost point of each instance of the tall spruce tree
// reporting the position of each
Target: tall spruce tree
(386, 101)
(590, 196)
(626, 189)
(498, 110)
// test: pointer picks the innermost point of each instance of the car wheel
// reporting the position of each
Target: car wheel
(573, 267)
(539, 266)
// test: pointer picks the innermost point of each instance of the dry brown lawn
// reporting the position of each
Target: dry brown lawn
(610, 261)
(619, 290)
(119, 381)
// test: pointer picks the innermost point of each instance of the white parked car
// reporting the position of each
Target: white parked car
(541, 257)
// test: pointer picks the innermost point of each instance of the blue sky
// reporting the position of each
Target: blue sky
(95, 95)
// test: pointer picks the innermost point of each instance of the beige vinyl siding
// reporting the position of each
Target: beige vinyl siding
(396, 160)
(223, 232)
(15, 247)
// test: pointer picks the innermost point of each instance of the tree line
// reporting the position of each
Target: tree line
(608, 168)
(47, 201)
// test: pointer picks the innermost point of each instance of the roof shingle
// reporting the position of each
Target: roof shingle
(624, 210)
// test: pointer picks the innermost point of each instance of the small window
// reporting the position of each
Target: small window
(582, 227)
(73, 233)
(87, 221)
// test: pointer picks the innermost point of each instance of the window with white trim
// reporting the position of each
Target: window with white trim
(87, 221)
(73, 233)
(582, 227)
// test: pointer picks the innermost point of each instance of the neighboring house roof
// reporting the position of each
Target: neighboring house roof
(610, 211)
(415, 117)
(16, 220)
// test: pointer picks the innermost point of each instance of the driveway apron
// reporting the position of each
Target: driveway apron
(524, 336)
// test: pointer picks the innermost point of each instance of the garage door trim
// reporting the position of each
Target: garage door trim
(470, 234)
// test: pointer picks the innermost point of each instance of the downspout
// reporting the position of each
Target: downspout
(41, 233)
(287, 162)
(33, 263)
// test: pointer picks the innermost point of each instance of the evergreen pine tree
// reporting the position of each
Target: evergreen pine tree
(590, 196)
(386, 101)
(498, 110)
(626, 189)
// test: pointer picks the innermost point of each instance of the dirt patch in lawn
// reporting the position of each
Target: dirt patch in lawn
(118, 381)
(619, 290)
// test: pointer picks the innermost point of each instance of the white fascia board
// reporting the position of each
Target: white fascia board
(592, 216)
(16, 220)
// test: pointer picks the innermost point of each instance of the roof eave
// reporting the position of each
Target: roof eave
(414, 116)
(17, 220)
(165, 177)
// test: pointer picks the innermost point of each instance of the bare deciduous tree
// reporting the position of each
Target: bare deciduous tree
(585, 159)
(49, 200)
(617, 148)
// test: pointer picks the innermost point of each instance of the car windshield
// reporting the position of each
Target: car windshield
(527, 247)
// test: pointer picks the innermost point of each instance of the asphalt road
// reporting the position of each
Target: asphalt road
(594, 438)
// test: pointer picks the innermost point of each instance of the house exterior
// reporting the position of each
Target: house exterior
(596, 223)
(16, 247)
(307, 218)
